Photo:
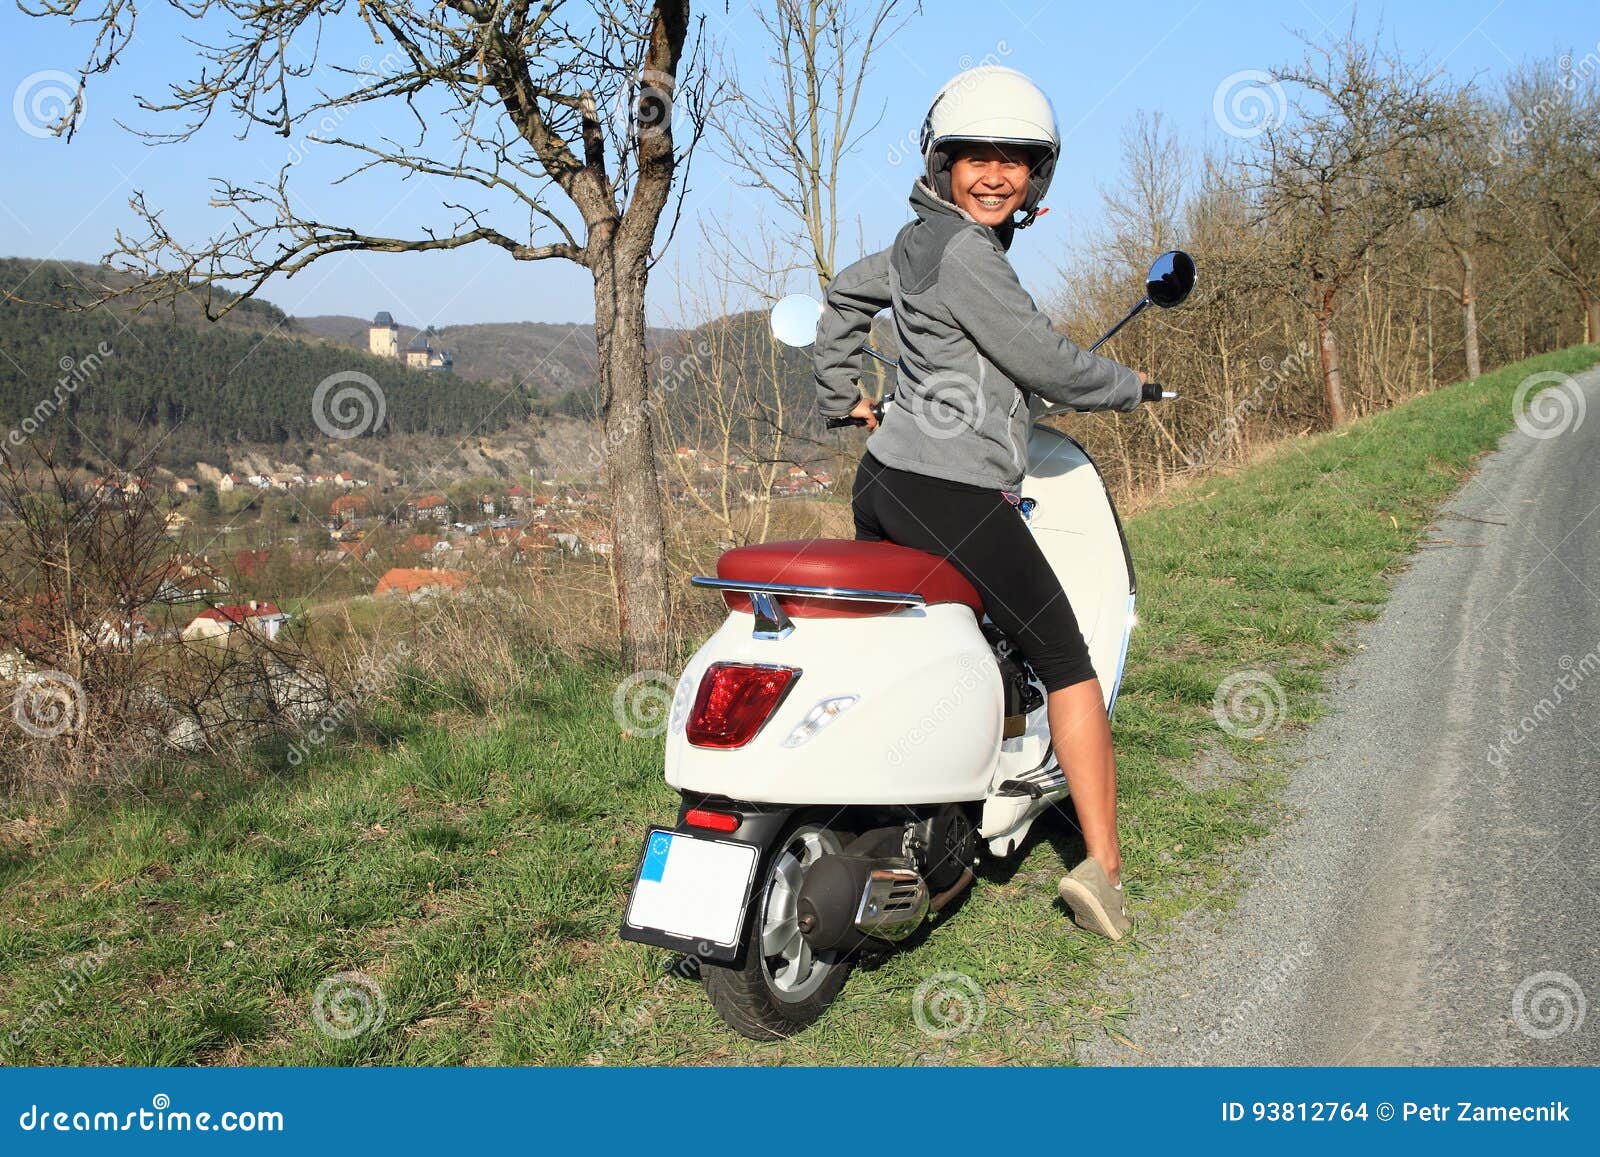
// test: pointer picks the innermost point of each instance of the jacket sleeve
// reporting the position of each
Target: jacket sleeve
(984, 297)
(855, 296)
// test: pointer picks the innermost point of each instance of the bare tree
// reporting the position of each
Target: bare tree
(790, 136)
(1553, 151)
(93, 670)
(558, 117)
(1338, 175)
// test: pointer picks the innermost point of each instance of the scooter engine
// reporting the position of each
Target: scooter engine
(880, 888)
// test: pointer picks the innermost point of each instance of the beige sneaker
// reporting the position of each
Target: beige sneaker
(1095, 904)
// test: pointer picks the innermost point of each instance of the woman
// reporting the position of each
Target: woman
(942, 471)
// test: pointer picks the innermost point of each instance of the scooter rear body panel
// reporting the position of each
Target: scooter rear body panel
(924, 727)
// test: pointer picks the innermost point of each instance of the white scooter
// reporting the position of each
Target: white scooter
(856, 731)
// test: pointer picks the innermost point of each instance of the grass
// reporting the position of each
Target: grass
(474, 866)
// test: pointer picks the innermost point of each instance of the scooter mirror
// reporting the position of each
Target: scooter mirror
(794, 320)
(1170, 279)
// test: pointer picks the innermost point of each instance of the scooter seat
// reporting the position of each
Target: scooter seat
(845, 563)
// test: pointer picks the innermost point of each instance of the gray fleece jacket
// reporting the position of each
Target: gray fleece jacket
(973, 349)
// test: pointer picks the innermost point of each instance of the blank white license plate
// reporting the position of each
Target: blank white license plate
(692, 887)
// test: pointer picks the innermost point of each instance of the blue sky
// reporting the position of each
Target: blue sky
(1099, 63)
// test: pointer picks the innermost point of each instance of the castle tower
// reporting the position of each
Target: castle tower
(383, 336)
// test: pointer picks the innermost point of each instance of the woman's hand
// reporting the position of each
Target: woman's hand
(1143, 377)
(864, 411)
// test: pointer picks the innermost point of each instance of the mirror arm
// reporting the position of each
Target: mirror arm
(872, 353)
(1132, 313)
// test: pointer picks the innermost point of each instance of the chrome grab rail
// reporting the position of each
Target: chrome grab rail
(850, 594)
(771, 621)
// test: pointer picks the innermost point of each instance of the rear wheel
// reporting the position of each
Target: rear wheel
(783, 986)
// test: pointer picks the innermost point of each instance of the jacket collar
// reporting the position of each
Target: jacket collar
(929, 204)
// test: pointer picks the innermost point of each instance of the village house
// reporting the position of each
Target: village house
(517, 497)
(247, 564)
(228, 482)
(182, 580)
(422, 355)
(431, 506)
(220, 623)
(185, 486)
(123, 632)
(416, 583)
(347, 506)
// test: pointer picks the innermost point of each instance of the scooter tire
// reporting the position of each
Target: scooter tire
(745, 997)
(742, 1000)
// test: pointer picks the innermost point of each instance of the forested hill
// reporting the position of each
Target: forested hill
(203, 385)
(544, 359)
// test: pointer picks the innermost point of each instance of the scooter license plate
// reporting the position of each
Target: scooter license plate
(691, 893)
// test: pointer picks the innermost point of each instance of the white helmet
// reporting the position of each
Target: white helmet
(992, 104)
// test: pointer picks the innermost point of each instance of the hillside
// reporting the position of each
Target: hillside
(238, 393)
(111, 379)
(546, 360)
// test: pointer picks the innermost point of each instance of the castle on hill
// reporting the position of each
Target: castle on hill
(383, 340)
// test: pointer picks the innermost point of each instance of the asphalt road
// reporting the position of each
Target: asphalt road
(1437, 899)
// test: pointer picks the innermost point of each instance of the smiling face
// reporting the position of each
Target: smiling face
(989, 183)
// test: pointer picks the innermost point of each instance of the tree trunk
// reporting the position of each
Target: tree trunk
(1469, 314)
(1332, 382)
(1591, 319)
(638, 558)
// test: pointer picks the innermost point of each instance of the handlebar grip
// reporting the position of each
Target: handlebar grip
(847, 420)
(1155, 392)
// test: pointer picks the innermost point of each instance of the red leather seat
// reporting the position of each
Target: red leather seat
(838, 562)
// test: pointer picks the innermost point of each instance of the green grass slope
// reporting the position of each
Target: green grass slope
(474, 864)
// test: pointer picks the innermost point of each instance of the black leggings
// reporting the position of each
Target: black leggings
(986, 539)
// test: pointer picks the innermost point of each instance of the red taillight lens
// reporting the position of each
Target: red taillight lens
(734, 702)
(699, 817)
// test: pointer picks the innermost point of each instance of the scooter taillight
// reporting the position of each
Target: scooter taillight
(735, 701)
